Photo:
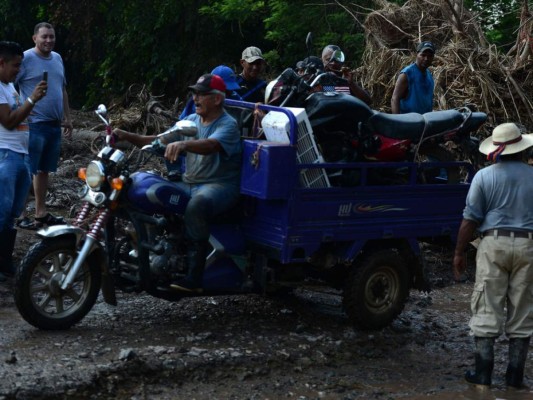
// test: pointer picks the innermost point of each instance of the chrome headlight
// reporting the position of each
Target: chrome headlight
(95, 175)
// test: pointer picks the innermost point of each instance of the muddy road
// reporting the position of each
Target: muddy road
(298, 346)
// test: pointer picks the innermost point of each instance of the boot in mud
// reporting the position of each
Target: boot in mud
(196, 255)
(484, 362)
(518, 348)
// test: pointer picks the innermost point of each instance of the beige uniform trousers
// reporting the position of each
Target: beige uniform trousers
(504, 278)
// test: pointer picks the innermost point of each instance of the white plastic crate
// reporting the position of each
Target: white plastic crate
(276, 127)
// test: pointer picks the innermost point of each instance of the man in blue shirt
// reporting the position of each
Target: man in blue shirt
(499, 206)
(46, 118)
(212, 176)
(413, 91)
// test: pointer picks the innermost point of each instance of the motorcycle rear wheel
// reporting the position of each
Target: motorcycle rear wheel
(38, 295)
(376, 291)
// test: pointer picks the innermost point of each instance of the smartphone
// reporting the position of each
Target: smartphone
(45, 76)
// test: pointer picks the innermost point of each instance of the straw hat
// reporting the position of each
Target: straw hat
(506, 139)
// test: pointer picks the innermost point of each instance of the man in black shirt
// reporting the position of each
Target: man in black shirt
(252, 86)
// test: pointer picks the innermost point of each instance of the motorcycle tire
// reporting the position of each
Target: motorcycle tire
(377, 290)
(38, 295)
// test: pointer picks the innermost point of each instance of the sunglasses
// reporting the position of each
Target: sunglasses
(202, 94)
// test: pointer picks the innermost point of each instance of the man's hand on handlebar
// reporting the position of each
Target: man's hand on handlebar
(173, 150)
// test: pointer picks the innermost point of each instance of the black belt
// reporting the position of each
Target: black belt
(506, 233)
(49, 123)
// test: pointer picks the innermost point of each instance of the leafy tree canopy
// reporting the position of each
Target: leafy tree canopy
(108, 45)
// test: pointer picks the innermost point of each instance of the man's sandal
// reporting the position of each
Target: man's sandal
(26, 223)
(50, 220)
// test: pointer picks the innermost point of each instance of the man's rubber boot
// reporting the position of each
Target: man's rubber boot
(196, 255)
(7, 244)
(518, 348)
(484, 362)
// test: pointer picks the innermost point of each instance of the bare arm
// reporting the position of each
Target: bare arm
(133, 138)
(10, 119)
(466, 231)
(201, 146)
(355, 89)
(400, 92)
(67, 125)
(359, 92)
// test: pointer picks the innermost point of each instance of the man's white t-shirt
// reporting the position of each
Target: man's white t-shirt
(15, 139)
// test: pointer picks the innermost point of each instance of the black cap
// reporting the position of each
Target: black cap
(425, 46)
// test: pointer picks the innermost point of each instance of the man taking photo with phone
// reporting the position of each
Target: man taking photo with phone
(46, 119)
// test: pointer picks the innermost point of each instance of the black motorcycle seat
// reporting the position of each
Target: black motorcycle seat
(413, 125)
(474, 122)
(442, 121)
(397, 126)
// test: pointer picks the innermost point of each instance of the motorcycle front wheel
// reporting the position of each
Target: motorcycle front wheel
(38, 294)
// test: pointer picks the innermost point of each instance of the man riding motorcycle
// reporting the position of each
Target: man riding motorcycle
(212, 176)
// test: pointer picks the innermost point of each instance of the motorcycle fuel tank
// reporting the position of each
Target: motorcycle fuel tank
(154, 194)
(336, 111)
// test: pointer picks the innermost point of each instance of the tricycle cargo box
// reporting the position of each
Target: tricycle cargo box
(269, 169)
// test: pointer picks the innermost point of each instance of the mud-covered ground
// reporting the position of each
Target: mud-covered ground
(299, 346)
(239, 347)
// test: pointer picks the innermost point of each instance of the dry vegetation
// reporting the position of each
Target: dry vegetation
(467, 69)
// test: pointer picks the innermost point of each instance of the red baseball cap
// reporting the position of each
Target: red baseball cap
(209, 83)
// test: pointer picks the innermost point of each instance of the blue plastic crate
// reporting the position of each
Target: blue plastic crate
(269, 169)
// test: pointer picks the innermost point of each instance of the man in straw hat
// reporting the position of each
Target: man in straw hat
(499, 204)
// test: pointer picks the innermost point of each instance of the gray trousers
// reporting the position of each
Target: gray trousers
(504, 279)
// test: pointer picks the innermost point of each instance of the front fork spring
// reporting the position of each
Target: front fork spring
(101, 220)
(82, 214)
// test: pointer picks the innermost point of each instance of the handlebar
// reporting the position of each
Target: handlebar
(110, 138)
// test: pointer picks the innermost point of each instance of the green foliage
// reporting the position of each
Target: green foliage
(499, 19)
(108, 45)
(17, 19)
(289, 22)
(286, 24)
(240, 10)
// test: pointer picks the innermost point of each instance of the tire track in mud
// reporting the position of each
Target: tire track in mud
(299, 346)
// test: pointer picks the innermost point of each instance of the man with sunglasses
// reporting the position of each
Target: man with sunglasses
(176, 169)
(333, 60)
(212, 176)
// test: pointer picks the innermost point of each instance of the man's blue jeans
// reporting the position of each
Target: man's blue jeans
(15, 181)
(207, 200)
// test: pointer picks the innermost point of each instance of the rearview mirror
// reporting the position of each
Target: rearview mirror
(187, 128)
(309, 42)
(101, 110)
